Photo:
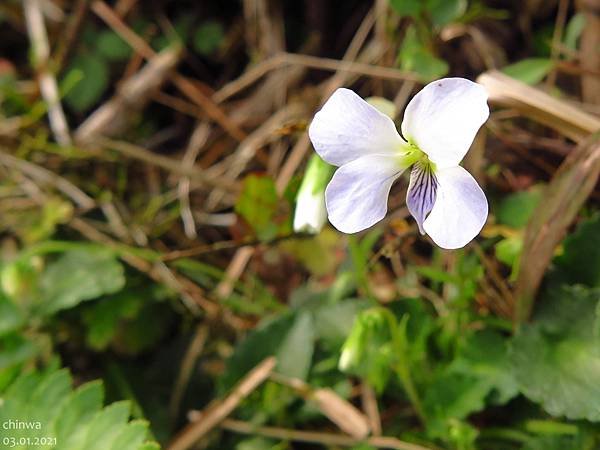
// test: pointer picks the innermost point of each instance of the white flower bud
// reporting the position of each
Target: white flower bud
(311, 214)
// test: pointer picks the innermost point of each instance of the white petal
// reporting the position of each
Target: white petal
(347, 127)
(443, 118)
(357, 195)
(460, 209)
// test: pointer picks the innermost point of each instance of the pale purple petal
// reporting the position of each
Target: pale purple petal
(443, 118)
(460, 209)
(421, 193)
(357, 195)
(347, 127)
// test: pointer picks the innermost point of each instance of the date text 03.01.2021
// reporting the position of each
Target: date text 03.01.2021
(12, 442)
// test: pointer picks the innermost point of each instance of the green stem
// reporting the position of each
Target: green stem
(359, 264)
(550, 427)
(47, 247)
(402, 367)
(506, 434)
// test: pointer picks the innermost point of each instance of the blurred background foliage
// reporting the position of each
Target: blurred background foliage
(150, 159)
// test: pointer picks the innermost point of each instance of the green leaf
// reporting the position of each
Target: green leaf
(509, 249)
(580, 261)
(149, 446)
(112, 46)
(42, 224)
(420, 326)
(453, 396)
(515, 209)
(14, 101)
(333, 321)
(530, 70)
(102, 318)
(144, 331)
(295, 352)
(79, 275)
(410, 8)
(485, 355)
(106, 426)
(15, 349)
(556, 359)
(49, 396)
(291, 332)
(69, 419)
(77, 413)
(316, 253)
(415, 57)
(443, 12)
(131, 320)
(93, 75)
(426, 64)
(11, 317)
(132, 436)
(479, 375)
(208, 37)
(435, 274)
(574, 30)
(258, 204)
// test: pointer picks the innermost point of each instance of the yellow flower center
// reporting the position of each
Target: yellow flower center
(412, 155)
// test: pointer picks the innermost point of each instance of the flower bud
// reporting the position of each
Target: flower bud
(310, 214)
(18, 279)
(383, 105)
(367, 351)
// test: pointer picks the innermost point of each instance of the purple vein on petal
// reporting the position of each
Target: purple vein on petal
(421, 194)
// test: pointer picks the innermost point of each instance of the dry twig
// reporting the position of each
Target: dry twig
(219, 410)
(164, 162)
(113, 116)
(186, 86)
(341, 412)
(41, 61)
(316, 437)
(197, 141)
(538, 105)
(567, 192)
(187, 366)
(45, 176)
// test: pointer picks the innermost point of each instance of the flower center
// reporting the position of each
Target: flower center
(414, 155)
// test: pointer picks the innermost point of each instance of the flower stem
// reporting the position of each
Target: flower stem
(402, 369)
(359, 263)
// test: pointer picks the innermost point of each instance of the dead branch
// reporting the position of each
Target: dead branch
(41, 61)
(113, 116)
(538, 105)
(564, 196)
(219, 410)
